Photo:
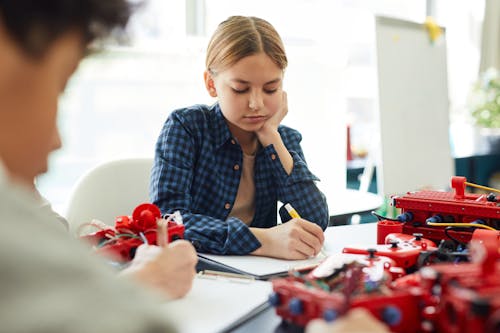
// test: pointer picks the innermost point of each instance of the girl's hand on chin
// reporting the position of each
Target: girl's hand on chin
(271, 124)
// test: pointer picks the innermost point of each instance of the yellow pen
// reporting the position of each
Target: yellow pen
(291, 211)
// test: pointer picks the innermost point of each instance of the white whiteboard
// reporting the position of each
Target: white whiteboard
(413, 108)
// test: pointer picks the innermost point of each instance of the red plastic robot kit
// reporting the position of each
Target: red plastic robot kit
(432, 212)
(447, 244)
(403, 249)
(346, 281)
(120, 243)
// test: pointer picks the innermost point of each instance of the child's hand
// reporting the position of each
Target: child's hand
(357, 320)
(169, 269)
(295, 239)
(271, 125)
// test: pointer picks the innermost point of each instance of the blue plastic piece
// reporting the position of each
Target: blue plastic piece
(391, 315)
(295, 306)
(370, 285)
(405, 217)
(330, 315)
(434, 219)
(274, 299)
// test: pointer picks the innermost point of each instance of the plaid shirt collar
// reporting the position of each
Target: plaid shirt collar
(222, 134)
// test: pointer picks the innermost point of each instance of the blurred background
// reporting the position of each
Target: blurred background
(118, 100)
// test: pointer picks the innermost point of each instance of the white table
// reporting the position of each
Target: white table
(344, 204)
(338, 237)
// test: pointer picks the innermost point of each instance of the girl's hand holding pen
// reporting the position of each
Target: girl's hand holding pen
(296, 239)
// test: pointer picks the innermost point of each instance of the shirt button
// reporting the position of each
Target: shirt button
(236, 167)
(273, 156)
(233, 142)
(227, 205)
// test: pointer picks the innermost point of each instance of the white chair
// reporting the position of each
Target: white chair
(109, 190)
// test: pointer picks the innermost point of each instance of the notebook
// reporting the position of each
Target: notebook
(261, 268)
(218, 304)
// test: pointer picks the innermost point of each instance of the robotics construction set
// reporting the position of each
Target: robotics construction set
(436, 268)
(144, 226)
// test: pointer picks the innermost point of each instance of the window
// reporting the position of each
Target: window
(116, 103)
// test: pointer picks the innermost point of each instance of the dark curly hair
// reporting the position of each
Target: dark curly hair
(35, 24)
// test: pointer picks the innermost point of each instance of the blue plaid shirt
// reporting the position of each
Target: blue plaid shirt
(197, 170)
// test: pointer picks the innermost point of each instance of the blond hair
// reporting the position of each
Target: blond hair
(242, 36)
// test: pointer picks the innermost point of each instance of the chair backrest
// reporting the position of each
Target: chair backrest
(109, 190)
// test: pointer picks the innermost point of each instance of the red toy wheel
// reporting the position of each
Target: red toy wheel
(145, 215)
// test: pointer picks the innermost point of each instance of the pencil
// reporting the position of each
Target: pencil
(208, 272)
(162, 232)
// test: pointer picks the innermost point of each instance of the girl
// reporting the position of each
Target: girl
(226, 166)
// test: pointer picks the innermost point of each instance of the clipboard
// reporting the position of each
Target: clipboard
(215, 303)
(260, 268)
